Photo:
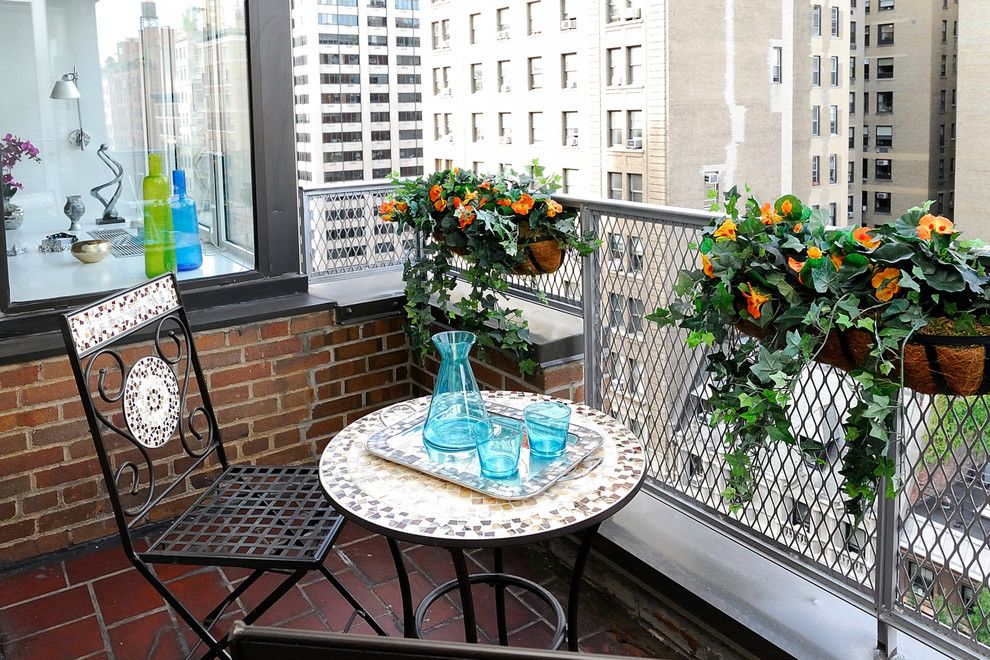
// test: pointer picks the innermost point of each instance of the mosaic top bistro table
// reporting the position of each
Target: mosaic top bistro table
(403, 504)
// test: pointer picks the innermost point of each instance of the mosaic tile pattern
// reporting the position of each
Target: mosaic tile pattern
(412, 503)
(402, 442)
(102, 323)
(151, 401)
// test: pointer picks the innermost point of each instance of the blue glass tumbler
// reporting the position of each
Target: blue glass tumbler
(457, 420)
(546, 428)
(498, 454)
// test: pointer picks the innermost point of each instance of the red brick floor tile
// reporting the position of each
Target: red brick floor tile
(69, 641)
(610, 642)
(440, 612)
(152, 637)
(372, 558)
(125, 595)
(535, 636)
(350, 533)
(452, 631)
(47, 611)
(517, 615)
(291, 605)
(200, 592)
(107, 560)
(169, 572)
(308, 621)
(31, 583)
(435, 563)
(336, 610)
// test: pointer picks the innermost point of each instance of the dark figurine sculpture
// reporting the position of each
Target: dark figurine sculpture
(109, 207)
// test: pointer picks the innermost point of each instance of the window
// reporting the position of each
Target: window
(852, 103)
(941, 101)
(615, 129)
(885, 136)
(852, 68)
(475, 78)
(569, 129)
(612, 76)
(884, 5)
(800, 516)
(882, 169)
(852, 137)
(407, 4)
(834, 71)
(502, 22)
(337, 19)
(833, 169)
(833, 212)
(535, 69)
(635, 382)
(942, 68)
(816, 70)
(866, 103)
(474, 20)
(615, 187)
(634, 65)
(967, 596)
(816, 112)
(565, 10)
(852, 34)
(941, 170)
(941, 136)
(866, 37)
(816, 163)
(885, 68)
(535, 127)
(377, 21)
(885, 34)
(637, 310)
(945, 31)
(635, 187)
(476, 127)
(881, 202)
(852, 176)
(816, 20)
(836, 21)
(635, 127)
(922, 579)
(777, 65)
(616, 246)
(854, 538)
(503, 83)
(407, 23)
(711, 187)
(568, 179)
(505, 126)
(568, 70)
(532, 17)
(833, 120)
(885, 102)
(636, 245)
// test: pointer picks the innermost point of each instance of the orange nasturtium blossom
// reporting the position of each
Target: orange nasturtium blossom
(523, 205)
(814, 252)
(886, 282)
(754, 300)
(795, 265)
(864, 236)
(786, 207)
(706, 266)
(401, 207)
(767, 215)
(435, 193)
(505, 201)
(553, 208)
(797, 227)
(467, 216)
(726, 230)
(485, 185)
(470, 196)
(836, 260)
(440, 204)
(386, 210)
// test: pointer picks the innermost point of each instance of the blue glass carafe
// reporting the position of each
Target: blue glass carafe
(457, 420)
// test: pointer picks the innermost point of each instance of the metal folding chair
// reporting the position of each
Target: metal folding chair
(263, 518)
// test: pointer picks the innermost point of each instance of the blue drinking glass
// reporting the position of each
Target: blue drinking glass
(546, 427)
(498, 453)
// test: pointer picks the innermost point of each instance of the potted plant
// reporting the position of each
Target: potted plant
(904, 304)
(498, 225)
(12, 151)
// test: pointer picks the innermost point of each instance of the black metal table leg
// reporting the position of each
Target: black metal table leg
(467, 600)
(503, 631)
(573, 597)
(408, 615)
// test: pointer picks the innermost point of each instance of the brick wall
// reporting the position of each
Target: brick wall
(281, 389)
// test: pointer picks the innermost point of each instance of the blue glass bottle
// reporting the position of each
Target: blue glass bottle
(188, 251)
(457, 419)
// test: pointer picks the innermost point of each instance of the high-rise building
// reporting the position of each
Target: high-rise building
(903, 150)
(972, 167)
(358, 89)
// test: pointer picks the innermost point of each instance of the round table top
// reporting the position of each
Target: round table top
(404, 504)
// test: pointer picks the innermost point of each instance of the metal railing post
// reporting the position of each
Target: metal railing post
(589, 308)
(307, 234)
(887, 546)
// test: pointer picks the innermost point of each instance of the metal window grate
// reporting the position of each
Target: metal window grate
(122, 243)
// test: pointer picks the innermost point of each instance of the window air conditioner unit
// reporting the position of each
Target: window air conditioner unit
(572, 84)
(864, 208)
(568, 24)
(502, 34)
(850, 214)
(445, 43)
(617, 81)
(505, 88)
(632, 14)
(882, 150)
(449, 137)
(505, 139)
(634, 143)
(572, 141)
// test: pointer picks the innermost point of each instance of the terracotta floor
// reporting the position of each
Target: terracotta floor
(95, 605)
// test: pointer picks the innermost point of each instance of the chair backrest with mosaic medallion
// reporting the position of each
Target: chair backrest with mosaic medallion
(143, 391)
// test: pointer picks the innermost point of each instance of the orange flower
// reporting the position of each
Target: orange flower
(481, 204)
(386, 210)
(814, 252)
(467, 216)
(504, 202)
(767, 215)
(457, 171)
(864, 237)
(795, 265)
(485, 185)
(553, 208)
(754, 300)
(435, 193)
(524, 205)
(943, 225)
(797, 227)
(786, 207)
(836, 260)
(726, 230)
(401, 207)
(706, 266)
(885, 281)
(924, 232)
(470, 196)
(927, 221)
(936, 223)
(440, 204)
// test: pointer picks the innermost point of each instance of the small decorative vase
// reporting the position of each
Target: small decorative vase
(74, 210)
(13, 216)
(457, 420)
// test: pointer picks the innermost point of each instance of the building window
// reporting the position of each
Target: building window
(568, 122)
(816, 163)
(568, 70)
(833, 212)
(941, 136)
(505, 127)
(635, 187)
(884, 5)
(922, 579)
(474, 22)
(852, 68)
(852, 175)
(503, 83)
(800, 516)
(634, 120)
(816, 20)
(777, 65)
(882, 169)
(854, 538)
(617, 309)
(885, 34)
(942, 68)
(881, 202)
(635, 382)
(852, 103)
(637, 310)
(816, 70)
(834, 71)
(941, 170)
(885, 136)
(941, 100)
(833, 168)
(852, 137)
(836, 21)
(535, 72)
(476, 78)
(833, 120)
(502, 23)
(634, 65)
(866, 36)
(568, 179)
(615, 128)
(852, 33)
(945, 32)
(615, 191)
(476, 119)
(612, 67)
(885, 68)
(885, 102)
(533, 17)
(967, 596)
(636, 244)
(816, 120)
(535, 127)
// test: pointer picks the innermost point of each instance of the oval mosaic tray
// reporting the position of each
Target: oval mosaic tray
(402, 442)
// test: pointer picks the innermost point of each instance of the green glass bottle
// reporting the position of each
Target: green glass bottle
(159, 241)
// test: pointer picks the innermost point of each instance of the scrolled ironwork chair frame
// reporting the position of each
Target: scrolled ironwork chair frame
(269, 519)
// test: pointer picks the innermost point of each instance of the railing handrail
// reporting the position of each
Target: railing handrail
(641, 210)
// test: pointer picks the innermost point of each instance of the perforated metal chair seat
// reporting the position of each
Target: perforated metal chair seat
(253, 517)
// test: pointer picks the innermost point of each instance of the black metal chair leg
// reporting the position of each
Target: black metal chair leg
(272, 598)
(234, 595)
(467, 600)
(408, 616)
(575, 592)
(359, 609)
(503, 631)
